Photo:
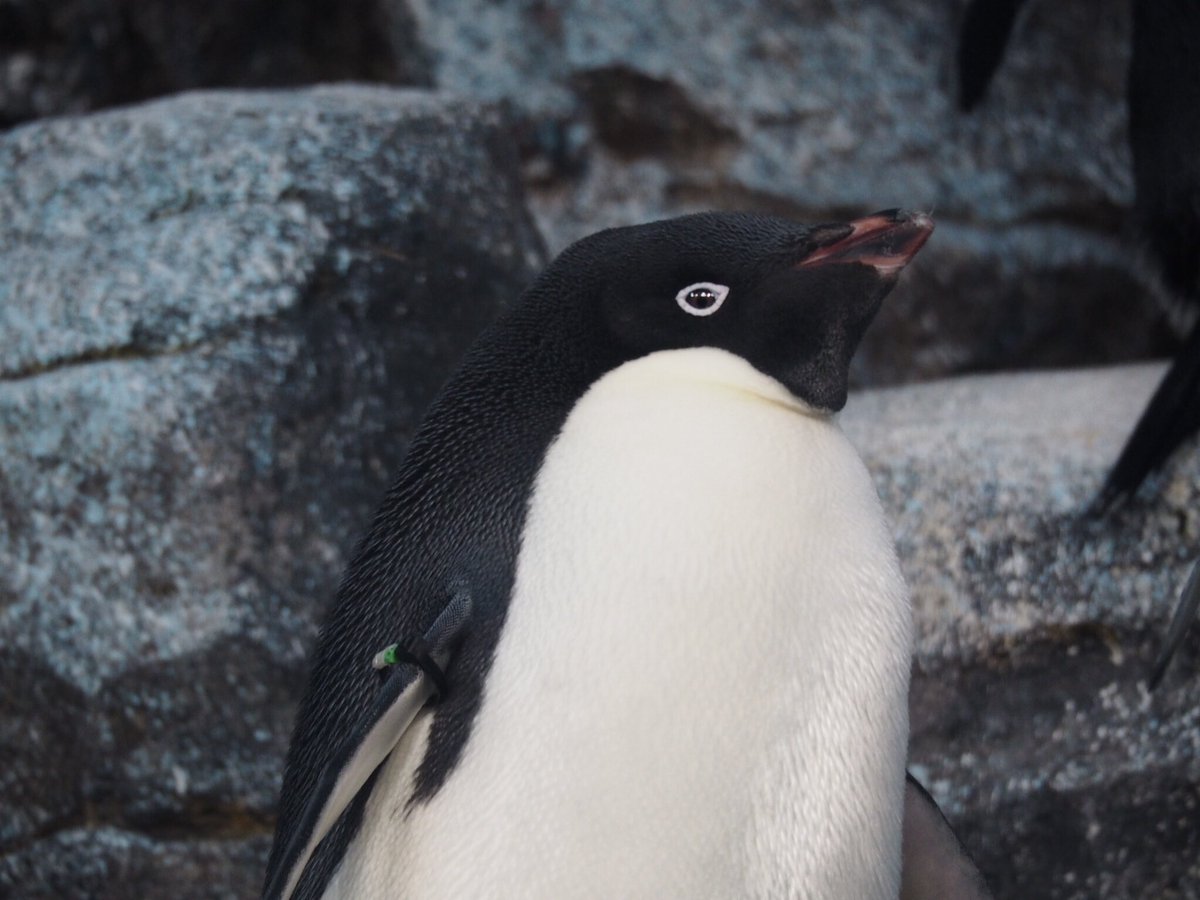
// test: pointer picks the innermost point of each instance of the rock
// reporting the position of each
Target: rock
(107, 864)
(1037, 628)
(220, 318)
(73, 56)
(981, 299)
(821, 107)
(629, 112)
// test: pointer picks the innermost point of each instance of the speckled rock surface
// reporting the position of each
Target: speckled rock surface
(220, 317)
(73, 56)
(107, 863)
(630, 111)
(1037, 628)
(820, 105)
(627, 111)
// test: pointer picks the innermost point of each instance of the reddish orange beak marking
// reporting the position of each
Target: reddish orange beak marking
(886, 240)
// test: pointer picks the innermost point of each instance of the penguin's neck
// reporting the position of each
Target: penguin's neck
(700, 688)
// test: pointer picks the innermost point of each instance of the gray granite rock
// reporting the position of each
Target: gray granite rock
(220, 317)
(629, 111)
(1037, 627)
(73, 56)
(108, 864)
(978, 298)
(822, 105)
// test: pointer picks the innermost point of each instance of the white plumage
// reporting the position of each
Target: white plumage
(701, 686)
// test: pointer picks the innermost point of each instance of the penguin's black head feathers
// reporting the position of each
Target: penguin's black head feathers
(793, 300)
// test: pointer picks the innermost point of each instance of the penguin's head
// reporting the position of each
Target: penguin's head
(792, 300)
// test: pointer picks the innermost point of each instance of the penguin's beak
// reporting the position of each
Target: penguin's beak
(886, 241)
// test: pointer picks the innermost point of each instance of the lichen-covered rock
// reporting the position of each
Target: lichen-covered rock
(220, 318)
(1037, 627)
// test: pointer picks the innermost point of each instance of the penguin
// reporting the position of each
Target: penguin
(1164, 137)
(685, 670)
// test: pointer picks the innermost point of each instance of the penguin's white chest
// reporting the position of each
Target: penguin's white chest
(700, 689)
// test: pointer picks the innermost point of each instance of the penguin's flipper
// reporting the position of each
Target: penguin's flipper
(935, 863)
(1185, 614)
(408, 688)
(986, 28)
(1172, 416)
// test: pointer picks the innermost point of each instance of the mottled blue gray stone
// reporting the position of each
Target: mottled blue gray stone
(221, 315)
(1036, 628)
(626, 111)
(107, 863)
(220, 319)
(821, 105)
(75, 56)
(631, 111)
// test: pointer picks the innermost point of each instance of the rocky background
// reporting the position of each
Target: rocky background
(222, 313)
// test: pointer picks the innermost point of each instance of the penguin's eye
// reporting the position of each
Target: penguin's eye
(702, 298)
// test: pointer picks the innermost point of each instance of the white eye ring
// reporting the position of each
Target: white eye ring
(702, 298)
